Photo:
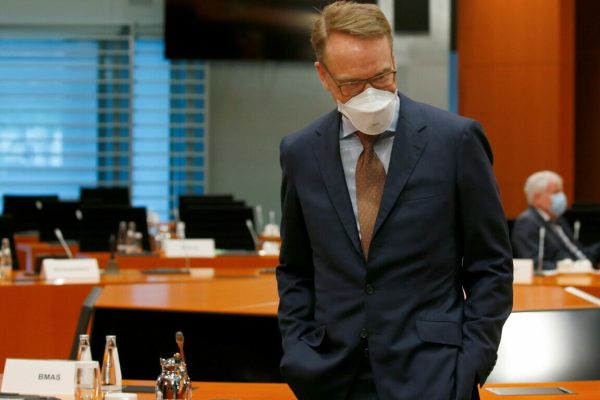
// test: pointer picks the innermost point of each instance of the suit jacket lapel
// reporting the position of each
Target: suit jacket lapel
(327, 153)
(409, 143)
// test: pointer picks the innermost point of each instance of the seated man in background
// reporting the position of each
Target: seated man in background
(547, 202)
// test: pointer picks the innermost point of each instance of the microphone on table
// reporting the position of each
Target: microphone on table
(112, 267)
(61, 239)
(253, 233)
(260, 221)
(540, 263)
(576, 229)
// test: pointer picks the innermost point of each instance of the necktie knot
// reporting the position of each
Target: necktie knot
(367, 141)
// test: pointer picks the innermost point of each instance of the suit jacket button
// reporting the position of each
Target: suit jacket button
(369, 289)
(364, 333)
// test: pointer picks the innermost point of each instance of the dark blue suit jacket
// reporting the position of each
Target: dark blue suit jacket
(525, 239)
(440, 229)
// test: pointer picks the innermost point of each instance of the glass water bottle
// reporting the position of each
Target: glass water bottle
(111, 369)
(84, 352)
(5, 261)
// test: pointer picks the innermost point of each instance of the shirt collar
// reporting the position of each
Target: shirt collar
(543, 214)
(348, 128)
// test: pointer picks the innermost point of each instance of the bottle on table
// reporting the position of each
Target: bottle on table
(84, 352)
(111, 369)
(5, 261)
(122, 238)
(130, 246)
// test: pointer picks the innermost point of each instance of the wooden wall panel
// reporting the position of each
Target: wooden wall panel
(587, 102)
(516, 78)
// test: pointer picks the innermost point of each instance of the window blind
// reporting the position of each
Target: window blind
(100, 106)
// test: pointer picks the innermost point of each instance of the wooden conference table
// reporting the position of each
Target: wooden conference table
(39, 319)
(590, 280)
(254, 342)
(47, 313)
(43, 317)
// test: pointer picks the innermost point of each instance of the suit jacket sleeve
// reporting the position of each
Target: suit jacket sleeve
(295, 270)
(487, 260)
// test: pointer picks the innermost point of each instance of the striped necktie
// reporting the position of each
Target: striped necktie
(568, 243)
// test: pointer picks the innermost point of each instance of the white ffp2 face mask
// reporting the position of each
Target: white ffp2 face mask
(372, 111)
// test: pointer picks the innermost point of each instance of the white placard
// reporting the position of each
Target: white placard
(202, 272)
(39, 377)
(523, 270)
(177, 248)
(71, 270)
(568, 266)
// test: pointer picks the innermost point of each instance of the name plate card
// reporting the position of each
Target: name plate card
(39, 377)
(71, 270)
(568, 266)
(177, 248)
(522, 270)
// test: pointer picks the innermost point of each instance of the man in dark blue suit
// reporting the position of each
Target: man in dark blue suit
(395, 274)
(547, 202)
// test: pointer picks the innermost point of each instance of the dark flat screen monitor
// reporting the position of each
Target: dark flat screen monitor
(241, 29)
(105, 195)
(25, 210)
(549, 346)
(99, 222)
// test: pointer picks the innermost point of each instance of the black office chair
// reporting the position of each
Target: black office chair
(64, 215)
(85, 319)
(186, 201)
(99, 222)
(226, 224)
(25, 210)
(588, 215)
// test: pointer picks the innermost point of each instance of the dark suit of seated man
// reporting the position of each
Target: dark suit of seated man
(547, 202)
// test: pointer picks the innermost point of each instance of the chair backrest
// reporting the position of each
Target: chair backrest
(224, 223)
(99, 222)
(85, 318)
(64, 215)
(589, 217)
(195, 200)
(25, 210)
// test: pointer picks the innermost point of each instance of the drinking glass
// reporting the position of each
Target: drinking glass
(87, 380)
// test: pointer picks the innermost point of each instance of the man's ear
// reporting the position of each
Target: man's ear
(535, 201)
(322, 75)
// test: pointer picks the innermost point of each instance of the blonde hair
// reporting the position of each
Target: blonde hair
(357, 19)
(538, 182)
